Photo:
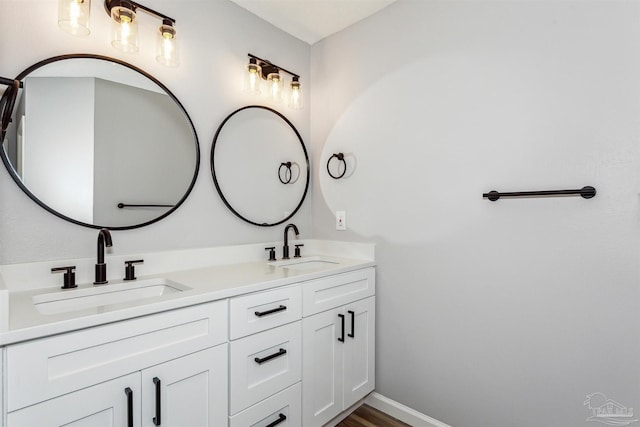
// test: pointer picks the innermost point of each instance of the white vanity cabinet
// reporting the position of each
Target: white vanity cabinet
(338, 344)
(171, 365)
(265, 366)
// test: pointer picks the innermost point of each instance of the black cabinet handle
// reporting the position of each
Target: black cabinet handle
(129, 394)
(259, 361)
(273, 310)
(353, 324)
(156, 419)
(341, 316)
(280, 419)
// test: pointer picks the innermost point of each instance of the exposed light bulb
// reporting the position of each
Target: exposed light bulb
(275, 87)
(295, 100)
(74, 13)
(252, 78)
(167, 49)
(125, 29)
(73, 16)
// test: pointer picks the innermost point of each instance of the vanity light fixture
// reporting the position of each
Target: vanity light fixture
(260, 69)
(125, 30)
(73, 16)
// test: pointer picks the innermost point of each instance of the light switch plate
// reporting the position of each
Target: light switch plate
(341, 220)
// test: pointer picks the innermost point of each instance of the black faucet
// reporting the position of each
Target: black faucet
(285, 248)
(104, 239)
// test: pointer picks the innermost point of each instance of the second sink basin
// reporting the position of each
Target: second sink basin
(305, 263)
(98, 296)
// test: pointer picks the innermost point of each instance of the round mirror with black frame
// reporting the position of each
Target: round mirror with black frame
(99, 142)
(260, 165)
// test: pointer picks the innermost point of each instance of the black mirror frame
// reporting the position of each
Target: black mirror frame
(33, 197)
(215, 179)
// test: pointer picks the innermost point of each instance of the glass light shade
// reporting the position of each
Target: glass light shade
(274, 80)
(73, 16)
(166, 46)
(124, 29)
(295, 97)
(252, 78)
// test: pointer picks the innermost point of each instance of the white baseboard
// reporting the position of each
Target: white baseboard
(334, 422)
(401, 412)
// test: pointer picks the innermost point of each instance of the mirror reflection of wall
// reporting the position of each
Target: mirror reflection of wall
(90, 133)
(249, 149)
(127, 136)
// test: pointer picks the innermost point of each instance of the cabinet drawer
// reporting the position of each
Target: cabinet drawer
(264, 364)
(285, 406)
(265, 310)
(41, 369)
(334, 291)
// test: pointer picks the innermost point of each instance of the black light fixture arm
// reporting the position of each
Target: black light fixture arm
(8, 82)
(7, 102)
(110, 4)
(266, 64)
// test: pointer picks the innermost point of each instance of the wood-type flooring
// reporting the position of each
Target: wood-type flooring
(366, 416)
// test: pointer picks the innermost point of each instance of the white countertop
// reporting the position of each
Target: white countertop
(206, 284)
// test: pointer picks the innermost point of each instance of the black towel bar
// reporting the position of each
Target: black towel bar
(585, 192)
(125, 205)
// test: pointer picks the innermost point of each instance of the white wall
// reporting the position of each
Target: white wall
(505, 313)
(144, 153)
(215, 38)
(50, 137)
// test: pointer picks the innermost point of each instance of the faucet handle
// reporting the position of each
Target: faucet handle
(69, 276)
(297, 252)
(272, 253)
(130, 269)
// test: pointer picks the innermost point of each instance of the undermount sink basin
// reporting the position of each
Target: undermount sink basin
(305, 263)
(103, 295)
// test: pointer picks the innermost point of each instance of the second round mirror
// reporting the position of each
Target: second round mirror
(260, 165)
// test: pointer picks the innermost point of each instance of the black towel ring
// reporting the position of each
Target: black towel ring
(286, 176)
(340, 157)
(287, 172)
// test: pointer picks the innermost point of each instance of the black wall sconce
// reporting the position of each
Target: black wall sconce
(74, 18)
(259, 70)
(340, 161)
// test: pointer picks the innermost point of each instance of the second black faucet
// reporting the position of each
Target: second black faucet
(104, 240)
(285, 248)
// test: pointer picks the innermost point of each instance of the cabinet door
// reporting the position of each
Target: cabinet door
(322, 353)
(187, 392)
(103, 405)
(359, 350)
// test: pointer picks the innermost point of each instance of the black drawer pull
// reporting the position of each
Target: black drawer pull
(259, 361)
(341, 316)
(129, 394)
(353, 324)
(156, 420)
(273, 310)
(280, 419)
